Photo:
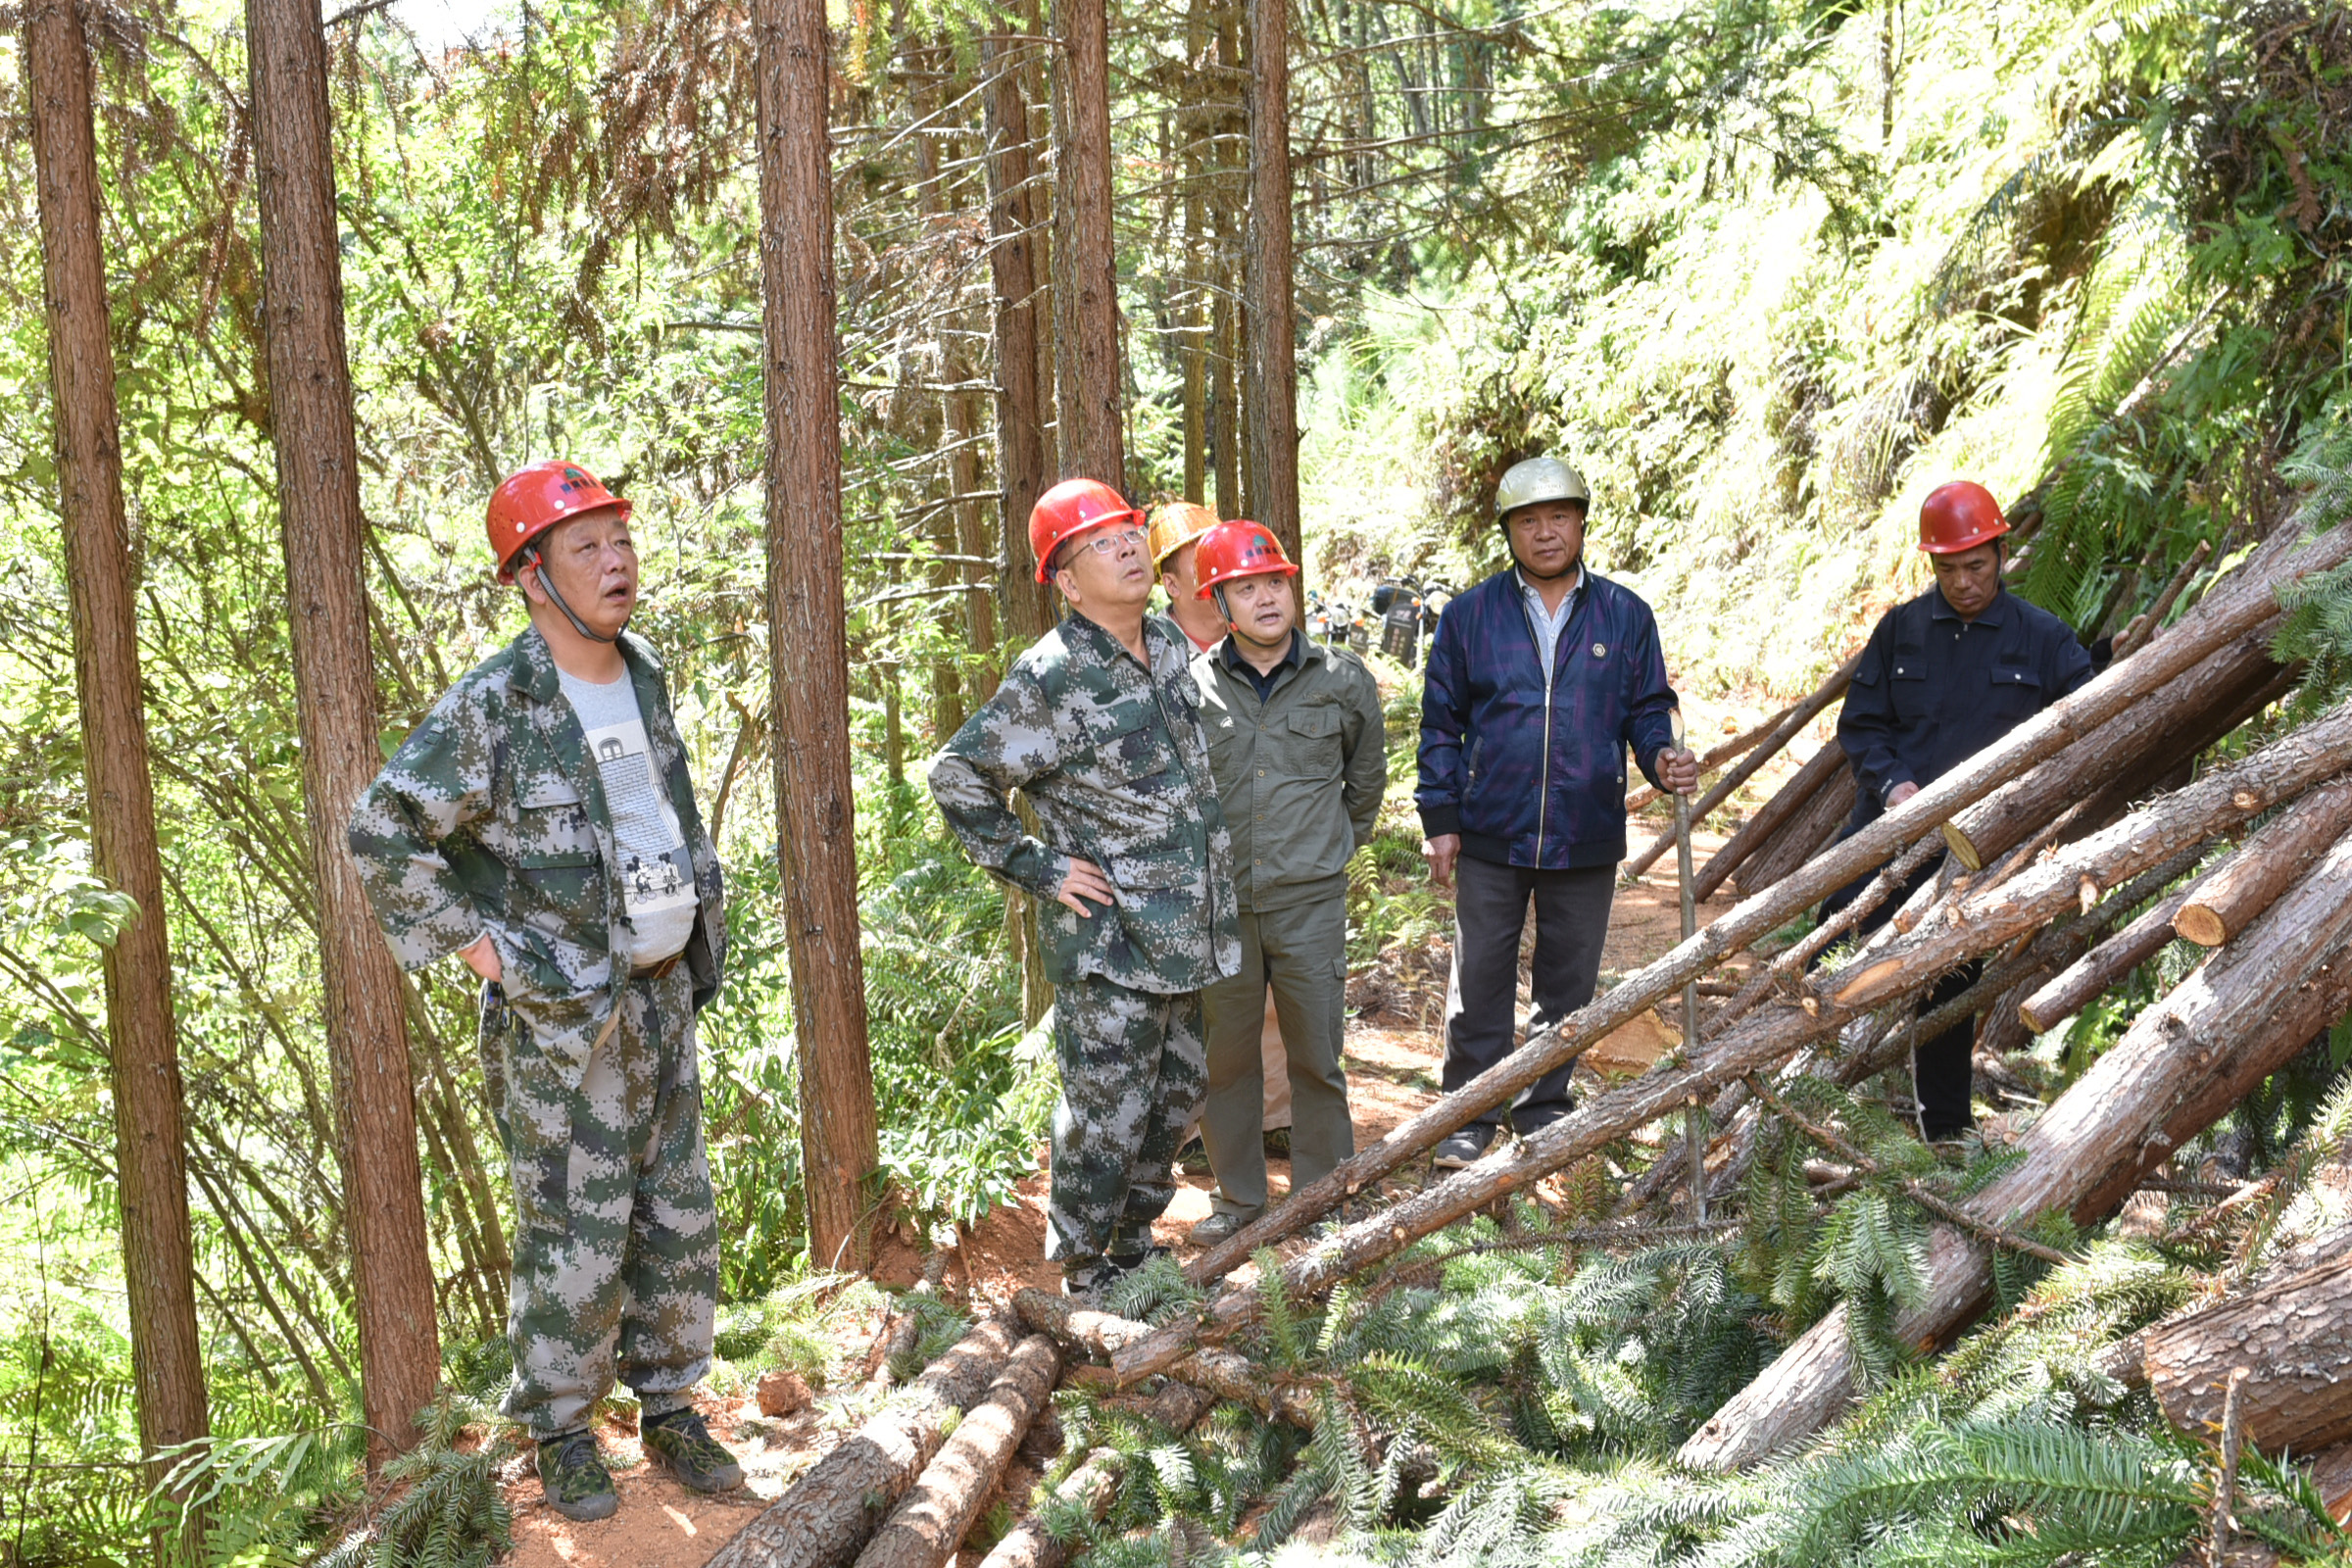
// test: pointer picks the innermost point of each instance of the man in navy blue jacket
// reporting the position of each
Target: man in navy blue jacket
(1539, 680)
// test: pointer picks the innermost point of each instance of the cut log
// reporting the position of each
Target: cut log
(1815, 824)
(2247, 1011)
(2235, 606)
(1178, 1406)
(1716, 755)
(2296, 1334)
(1081, 1330)
(1796, 718)
(823, 1519)
(2088, 976)
(2173, 765)
(2083, 870)
(2147, 739)
(929, 1524)
(1754, 835)
(2226, 903)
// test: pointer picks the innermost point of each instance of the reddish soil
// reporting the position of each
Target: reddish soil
(1392, 1056)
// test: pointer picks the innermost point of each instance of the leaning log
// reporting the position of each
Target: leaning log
(1764, 825)
(2067, 992)
(2237, 605)
(2246, 1011)
(2083, 871)
(1802, 837)
(929, 1523)
(1795, 719)
(2296, 1334)
(2226, 903)
(823, 1519)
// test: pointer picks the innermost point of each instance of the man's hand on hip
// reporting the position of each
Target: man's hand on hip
(481, 957)
(1678, 767)
(1441, 851)
(1084, 881)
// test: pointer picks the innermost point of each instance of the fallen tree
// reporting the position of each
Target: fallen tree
(2243, 1013)
(930, 1522)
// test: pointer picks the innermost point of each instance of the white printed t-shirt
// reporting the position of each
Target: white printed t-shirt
(657, 875)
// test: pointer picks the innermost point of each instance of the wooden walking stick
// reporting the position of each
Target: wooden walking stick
(1695, 1114)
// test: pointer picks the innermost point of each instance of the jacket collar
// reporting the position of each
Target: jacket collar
(534, 672)
(1303, 651)
(1940, 608)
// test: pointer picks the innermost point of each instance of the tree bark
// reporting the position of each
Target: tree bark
(2226, 903)
(2081, 871)
(2295, 1333)
(324, 537)
(2066, 992)
(1021, 467)
(1178, 1406)
(809, 662)
(1273, 330)
(2229, 612)
(1086, 294)
(824, 1518)
(2119, 1121)
(1815, 824)
(142, 1056)
(1797, 719)
(930, 1522)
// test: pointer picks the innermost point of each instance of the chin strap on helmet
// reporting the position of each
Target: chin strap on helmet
(538, 565)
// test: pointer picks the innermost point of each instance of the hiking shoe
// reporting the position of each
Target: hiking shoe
(1222, 1226)
(681, 1440)
(1088, 1276)
(1129, 1262)
(1465, 1147)
(1277, 1141)
(1193, 1158)
(573, 1476)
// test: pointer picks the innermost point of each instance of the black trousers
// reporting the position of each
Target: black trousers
(1942, 1067)
(1482, 997)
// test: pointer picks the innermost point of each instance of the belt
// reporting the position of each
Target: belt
(657, 972)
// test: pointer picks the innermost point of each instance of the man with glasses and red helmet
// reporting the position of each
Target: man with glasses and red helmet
(1942, 678)
(1296, 738)
(1098, 725)
(540, 824)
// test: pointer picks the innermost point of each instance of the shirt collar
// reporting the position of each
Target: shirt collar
(1229, 650)
(1940, 608)
(1535, 596)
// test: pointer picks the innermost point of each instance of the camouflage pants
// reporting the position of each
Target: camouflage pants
(617, 1238)
(1133, 1071)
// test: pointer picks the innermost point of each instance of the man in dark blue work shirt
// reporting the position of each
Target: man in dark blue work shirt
(1944, 676)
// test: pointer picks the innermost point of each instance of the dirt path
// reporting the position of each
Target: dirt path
(1392, 1059)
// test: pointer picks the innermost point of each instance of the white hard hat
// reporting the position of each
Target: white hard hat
(1539, 479)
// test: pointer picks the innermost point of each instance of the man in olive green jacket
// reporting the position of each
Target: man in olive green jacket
(1298, 745)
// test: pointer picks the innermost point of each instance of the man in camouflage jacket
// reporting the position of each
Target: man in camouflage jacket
(497, 833)
(1098, 724)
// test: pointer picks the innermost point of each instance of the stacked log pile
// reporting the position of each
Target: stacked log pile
(2059, 837)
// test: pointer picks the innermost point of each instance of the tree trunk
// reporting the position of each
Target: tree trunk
(2225, 904)
(2225, 1021)
(827, 1516)
(1086, 294)
(2229, 612)
(142, 1058)
(1273, 332)
(2295, 1333)
(335, 702)
(931, 1521)
(2083, 870)
(1797, 719)
(1022, 471)
(1815, 824)
(807, 659)
(2065, 994)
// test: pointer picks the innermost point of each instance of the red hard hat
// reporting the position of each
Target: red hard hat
(1957, 517)
(1071, 509)
(1238, 549)
(531, 500)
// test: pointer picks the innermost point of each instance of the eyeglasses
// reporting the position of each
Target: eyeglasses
(1107, 543)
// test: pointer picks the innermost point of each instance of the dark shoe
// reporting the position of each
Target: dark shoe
(1465, 1147)
(1221, 1226)
(681, 1440)
(1129, 1262)
(1277, 1144)
(573, 1476)
(1088, 1276)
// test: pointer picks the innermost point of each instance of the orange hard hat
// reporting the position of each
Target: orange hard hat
(531, 500)
(1068, 510)
(1239, 548)
(1959, 516)
(1175, 525)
